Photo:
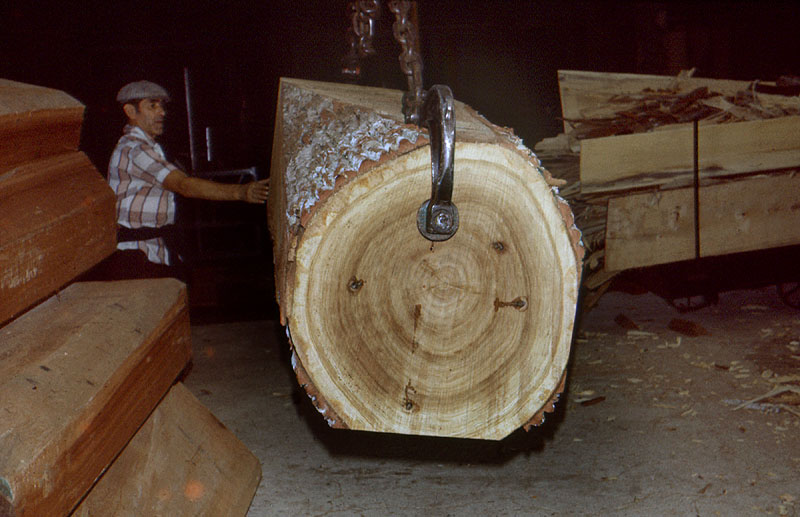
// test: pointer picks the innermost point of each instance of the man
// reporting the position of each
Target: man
(146, 183)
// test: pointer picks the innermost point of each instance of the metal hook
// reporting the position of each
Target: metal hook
(437, 218)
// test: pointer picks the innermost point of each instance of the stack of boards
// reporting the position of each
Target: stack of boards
(633, 190)
(92, 421)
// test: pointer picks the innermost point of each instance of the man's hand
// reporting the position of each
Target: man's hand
(256, 191)
(187, 186)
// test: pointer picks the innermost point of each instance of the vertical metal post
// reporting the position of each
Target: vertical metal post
(189, 120)
(696, 188)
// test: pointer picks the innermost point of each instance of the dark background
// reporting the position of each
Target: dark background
(499, 57)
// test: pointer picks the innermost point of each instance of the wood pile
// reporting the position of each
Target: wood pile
(56, 211)
(633, 148)
(82, 370)
(467, 337)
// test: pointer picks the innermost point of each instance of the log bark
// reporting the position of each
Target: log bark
(36, 122)
(390, 332)
(79, 374)
(57, 220)
(183, 461)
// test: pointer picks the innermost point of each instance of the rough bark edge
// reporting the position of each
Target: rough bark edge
(324, 140)
(549, 406)
(305, 382)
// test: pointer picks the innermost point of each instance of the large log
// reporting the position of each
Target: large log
(36, 122)
(183, 461)
(390, 332)
(57, 220)
(79, 374)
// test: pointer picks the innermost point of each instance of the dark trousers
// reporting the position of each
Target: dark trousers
(129, 264)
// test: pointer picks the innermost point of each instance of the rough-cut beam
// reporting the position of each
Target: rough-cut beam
(667, 156)
(79, 374)
(36, 122)
(56, 221)
(468, 337)
(183, 461)
(744, 215)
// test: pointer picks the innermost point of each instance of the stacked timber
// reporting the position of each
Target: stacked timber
(56, 211)
(81, 371)
(665, 169)
(391, 332)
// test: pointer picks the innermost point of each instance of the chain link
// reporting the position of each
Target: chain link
(405, 32)
(363, 14)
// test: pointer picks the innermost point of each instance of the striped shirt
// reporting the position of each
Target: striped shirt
(136, 172)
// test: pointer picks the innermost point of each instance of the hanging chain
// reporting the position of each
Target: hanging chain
(405, 32)
(437, 218)
(364, 14)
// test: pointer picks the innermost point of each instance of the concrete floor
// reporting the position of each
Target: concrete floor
(647, 425)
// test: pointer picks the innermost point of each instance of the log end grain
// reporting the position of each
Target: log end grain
(469, 337)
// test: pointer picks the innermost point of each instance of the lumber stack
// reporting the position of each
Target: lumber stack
(467, 337)
(634, 146)
(80, 373)
(56, 211)
(82, 370)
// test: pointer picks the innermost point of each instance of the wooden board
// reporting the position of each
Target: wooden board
(57, 220)
(667, 157)
(183, 461)
(587, 95)
(744, 215)
(392, 333)
(79, 374)
(36, 122)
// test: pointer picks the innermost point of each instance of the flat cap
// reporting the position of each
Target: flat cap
(141, 90)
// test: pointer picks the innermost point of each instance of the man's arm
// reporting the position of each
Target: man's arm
(254, 192)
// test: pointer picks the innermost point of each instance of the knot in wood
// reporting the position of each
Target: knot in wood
(354, 284)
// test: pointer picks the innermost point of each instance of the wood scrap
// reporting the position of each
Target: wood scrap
(777, 390)
(657, 108)
(687, 328)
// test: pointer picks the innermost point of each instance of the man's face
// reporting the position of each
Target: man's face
(149, 116)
